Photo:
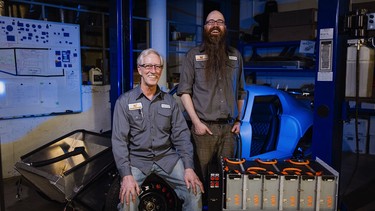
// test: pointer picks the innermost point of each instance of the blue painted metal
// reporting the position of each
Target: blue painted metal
(295, 120)
(329, 95)
(121, 47)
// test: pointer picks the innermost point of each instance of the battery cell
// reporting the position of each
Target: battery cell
(289, 194)
(271, 192)
(234, 187)
(307, 200)
(254, 193)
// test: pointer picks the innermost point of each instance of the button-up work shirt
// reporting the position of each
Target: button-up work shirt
(213, 98)
(149, 131)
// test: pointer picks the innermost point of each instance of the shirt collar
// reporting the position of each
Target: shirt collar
(139, 94)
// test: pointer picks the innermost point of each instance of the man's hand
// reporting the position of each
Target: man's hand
(129, 189)
(201, 129)
(236, 128)
(192, 180)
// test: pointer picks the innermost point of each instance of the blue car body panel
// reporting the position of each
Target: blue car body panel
(295, 119)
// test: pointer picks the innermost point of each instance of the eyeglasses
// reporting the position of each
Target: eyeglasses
(212, 22)
(151, 66)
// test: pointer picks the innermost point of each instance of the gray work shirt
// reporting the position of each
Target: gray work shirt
(213, 98)
(149, 131)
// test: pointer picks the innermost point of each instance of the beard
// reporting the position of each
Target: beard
(216, 50)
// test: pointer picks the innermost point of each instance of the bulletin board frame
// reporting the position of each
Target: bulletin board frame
(40, 68)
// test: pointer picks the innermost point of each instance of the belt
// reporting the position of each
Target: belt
(220, 121)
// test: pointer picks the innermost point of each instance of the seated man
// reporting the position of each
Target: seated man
(150, 135)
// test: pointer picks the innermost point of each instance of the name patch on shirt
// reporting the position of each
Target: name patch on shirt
(135, 106)
(200, 58)
(165, 106)
(233, 58)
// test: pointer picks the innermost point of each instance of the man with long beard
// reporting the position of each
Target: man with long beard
(212, 91)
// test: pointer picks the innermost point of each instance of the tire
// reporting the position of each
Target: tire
(156, 195)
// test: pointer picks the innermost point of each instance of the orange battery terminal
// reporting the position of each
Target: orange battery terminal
(234, 162)
(296, 170)
(255, 168)
(319, 173)
(266, 162)
(309, 173)
(299, 162)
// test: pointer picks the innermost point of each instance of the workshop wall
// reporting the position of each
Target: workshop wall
(20, 136)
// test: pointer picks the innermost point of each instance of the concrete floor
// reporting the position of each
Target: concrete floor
(357, 188)
(357, 182)
(28, 198)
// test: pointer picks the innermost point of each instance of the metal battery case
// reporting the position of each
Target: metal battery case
(254, 191)
(67, 167)
(289, 191)
(307, 196)
(318, 185)
(297, 185)
(262, 181)
(234, 184)
(277, 185)
(234, 191)
(327, 185)
(271, 192)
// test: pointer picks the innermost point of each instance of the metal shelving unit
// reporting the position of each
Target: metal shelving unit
(93, 24)
(276, 57)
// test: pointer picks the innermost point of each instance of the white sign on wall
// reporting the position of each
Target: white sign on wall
(40, 68)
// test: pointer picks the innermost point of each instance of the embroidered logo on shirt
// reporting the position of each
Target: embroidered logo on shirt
(165, 106)
(233, 58)
(135, 106)
(200, 58)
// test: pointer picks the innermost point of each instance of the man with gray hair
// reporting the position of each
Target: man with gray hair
(150, 135)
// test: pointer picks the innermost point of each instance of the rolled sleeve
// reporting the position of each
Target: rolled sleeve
(185, 85)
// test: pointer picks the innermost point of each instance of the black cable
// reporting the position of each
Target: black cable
(357, 66)
(239, 147)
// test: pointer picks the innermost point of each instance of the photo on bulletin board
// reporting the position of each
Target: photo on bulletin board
(40, 68)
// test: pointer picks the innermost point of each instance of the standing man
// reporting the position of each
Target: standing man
(150, 135)
(212, 91)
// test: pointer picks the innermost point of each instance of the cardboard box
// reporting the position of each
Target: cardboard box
(349, 128)
(293, 25)
(292, 33)
(349, 144)
(366, 71)
(293, 18)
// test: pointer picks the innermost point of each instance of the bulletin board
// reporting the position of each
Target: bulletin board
(40, 68)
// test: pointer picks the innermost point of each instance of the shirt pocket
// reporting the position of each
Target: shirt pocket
(164, 119)
(231, 64)
(232, 69)
(200, 75)
(136, 120)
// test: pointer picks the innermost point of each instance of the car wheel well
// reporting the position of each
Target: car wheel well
(303, 148)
